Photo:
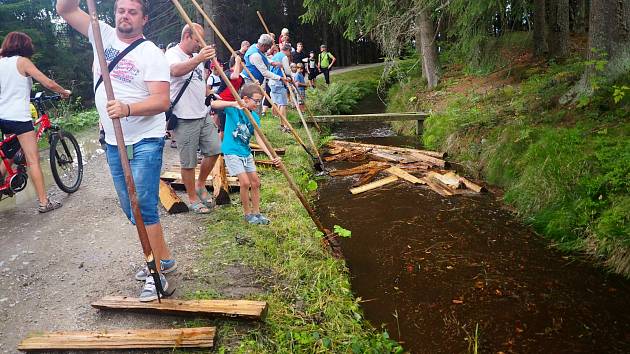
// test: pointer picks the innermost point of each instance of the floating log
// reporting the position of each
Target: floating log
(367, 177)
(451, 180)
(201, 337)
(352, 155)
(374, 185)
(255, 310)
(341, 144)
(438, 187)
(392, 154)
(386, 156)
(404, 175)
(170, 200)
(415, 166)
(472, 186)
(360, 169)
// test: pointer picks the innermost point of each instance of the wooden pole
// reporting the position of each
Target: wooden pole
(122, 152)
(294, 98)
(268, 145)
(273, 104)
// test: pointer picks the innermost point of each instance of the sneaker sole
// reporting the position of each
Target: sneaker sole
(166, 271)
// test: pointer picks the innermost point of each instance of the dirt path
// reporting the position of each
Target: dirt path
(53, 265)
(353, 68)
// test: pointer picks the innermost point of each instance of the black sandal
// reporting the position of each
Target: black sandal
(52, 205)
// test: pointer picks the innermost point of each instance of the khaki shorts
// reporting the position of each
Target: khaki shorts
(194, 134)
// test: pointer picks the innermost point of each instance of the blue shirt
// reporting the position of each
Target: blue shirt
(232, 145)
(299, 77)
(277, 58)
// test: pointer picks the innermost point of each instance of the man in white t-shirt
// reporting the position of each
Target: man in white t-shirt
(141, 87)
(194, 130)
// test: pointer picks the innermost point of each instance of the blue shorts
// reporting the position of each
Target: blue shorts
(279, 94)
(146, 166)
(236, 164)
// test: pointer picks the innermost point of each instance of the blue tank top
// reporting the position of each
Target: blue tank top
(251, 67)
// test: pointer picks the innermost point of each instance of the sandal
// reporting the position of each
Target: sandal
(52, 205)
(208, 201)
(173, 144)
(199, 208)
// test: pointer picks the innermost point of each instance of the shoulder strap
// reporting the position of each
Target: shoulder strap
(118, 58)
(181, 90)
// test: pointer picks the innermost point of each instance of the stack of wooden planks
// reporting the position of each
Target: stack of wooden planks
(411, 165)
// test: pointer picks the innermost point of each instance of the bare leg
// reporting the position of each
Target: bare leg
(207, 164)
(158, 244)
(244, 183)
(28, 141)
(254, 183)
(188, 177)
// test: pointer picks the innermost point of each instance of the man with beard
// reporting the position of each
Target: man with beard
(141, 86)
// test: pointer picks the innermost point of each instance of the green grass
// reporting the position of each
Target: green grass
(565, 168)
(311, 306)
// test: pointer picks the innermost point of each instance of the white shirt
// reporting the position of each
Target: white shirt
(15, 91)
(129, 81)
(192, 103)
(214, 81)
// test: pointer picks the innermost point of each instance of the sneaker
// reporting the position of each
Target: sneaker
(149, 292)
(262, 220)
(251, 218)
(167, 266)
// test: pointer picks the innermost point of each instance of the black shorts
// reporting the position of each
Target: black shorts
(265, 101)
(14, 127)
(313, 74)
(221, 120)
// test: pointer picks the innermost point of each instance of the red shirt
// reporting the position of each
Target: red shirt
(224, 91)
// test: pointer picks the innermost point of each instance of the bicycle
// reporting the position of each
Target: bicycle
(66, 161)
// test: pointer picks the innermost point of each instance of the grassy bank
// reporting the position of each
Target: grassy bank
(311, 306)
(565, 168)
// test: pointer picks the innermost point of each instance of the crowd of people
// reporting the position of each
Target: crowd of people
(159, 92)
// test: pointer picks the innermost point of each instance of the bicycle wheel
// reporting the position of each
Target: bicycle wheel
(66, 162)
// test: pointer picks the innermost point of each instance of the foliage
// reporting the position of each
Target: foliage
(342, 232)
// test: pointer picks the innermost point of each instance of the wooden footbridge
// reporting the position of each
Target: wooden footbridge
(419, 117)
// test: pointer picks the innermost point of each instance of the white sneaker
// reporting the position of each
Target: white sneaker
(149, 292)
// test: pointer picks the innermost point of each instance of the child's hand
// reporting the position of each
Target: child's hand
(276, 162)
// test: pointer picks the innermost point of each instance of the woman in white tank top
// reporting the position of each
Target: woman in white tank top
(16, 74)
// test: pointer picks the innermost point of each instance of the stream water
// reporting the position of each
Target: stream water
(443, 273)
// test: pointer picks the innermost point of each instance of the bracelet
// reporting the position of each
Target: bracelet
(128, 110)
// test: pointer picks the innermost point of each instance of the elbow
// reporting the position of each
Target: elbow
(165, 103)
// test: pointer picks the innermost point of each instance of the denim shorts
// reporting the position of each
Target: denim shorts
(236, 164)
(279, 94)
(146, 166)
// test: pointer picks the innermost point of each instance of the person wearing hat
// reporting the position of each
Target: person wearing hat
(325, 61)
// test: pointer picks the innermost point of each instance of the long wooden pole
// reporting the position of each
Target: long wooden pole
(233, 52)
(294, 98)
(262, 136)
(122, 152)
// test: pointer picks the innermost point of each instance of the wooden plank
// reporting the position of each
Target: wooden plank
(372, 165)
(367, 177)
(201, 337)
(450, 179)
(404, 175)
(472, 186)
(255, 310)
(377, 117)
(373, 185)
(348, 144)
(176, 176)
(437, 187)
(280, 151)
(170, 200)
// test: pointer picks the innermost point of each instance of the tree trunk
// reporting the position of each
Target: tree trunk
(418, 38)
(578, 15)
(558, 25)
(429, 48)
(540, 33)
(609, 33)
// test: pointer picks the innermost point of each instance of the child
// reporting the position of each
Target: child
(301, 85)
(224, 93)
(238, 154)
(312, 68)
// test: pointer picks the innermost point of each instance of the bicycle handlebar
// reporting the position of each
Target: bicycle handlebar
(46, 98)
